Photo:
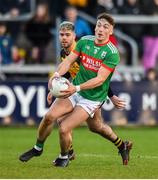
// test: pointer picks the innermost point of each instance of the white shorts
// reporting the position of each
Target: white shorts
(89, 106)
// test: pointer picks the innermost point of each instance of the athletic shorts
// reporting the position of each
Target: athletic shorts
(89, 106)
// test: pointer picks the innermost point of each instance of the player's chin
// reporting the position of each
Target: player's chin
(100, 38)
(65, 45)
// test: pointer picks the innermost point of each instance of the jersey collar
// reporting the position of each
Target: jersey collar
(103, 44)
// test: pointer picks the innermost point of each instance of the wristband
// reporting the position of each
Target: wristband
(78, 88)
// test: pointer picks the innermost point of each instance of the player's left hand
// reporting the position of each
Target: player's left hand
(68, 92)
(55, 75)
(118, 102)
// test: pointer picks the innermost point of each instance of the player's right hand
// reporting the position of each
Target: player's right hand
(69, 91)
(56, 74)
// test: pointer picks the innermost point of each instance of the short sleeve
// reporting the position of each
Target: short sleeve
(111, 62)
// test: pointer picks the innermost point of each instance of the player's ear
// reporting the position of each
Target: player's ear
(111, 30)
(95, 28)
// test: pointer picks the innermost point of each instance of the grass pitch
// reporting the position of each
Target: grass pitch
(95, 157)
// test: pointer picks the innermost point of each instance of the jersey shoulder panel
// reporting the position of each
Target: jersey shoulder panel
(112, 48)
(88, 37)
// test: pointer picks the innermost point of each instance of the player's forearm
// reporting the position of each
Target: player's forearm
(65, 65)
(63, 68)
(95, 82)
(92, 83)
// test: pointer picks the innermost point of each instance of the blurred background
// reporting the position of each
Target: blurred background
(30, 53)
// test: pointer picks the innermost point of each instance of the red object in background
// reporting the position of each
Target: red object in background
(113, 40)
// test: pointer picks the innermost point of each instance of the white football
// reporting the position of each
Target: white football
(58, 84)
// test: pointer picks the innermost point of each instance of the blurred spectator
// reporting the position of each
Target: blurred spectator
(87, 6)
(19, 55)
(30, 122)
(82, 28)
(131, 7)
(7, 121)
(14, 8)
(57, 7)
(151, 75)
(144, 5)
(9, 53)
(150, 39)
(148, 116)
(118, 118)
(78, 3)
(6, 45)
(37, 38)
(107, 6)
(119, 3)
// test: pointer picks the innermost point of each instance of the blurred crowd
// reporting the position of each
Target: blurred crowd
(32, 41)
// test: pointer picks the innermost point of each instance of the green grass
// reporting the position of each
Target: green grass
(95, 157)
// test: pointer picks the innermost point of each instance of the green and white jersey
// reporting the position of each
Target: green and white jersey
(92, 57)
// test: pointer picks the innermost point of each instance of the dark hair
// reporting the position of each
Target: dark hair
(107, 17)
(67, 25)
(151, 70)
(2, 23)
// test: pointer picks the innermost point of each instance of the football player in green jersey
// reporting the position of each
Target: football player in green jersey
(95, 124)
(98, 59)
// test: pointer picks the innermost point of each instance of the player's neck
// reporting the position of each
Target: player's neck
(101, 42)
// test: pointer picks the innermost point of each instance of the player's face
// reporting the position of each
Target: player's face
(66, 38)
(103, 30)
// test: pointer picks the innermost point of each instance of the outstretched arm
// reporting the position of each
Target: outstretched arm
(63, 67)
(102, 75)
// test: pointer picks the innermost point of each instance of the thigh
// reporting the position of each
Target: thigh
(75, 118)
(97, 118)
(59, 120)
(89, 106)
(60, 107)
